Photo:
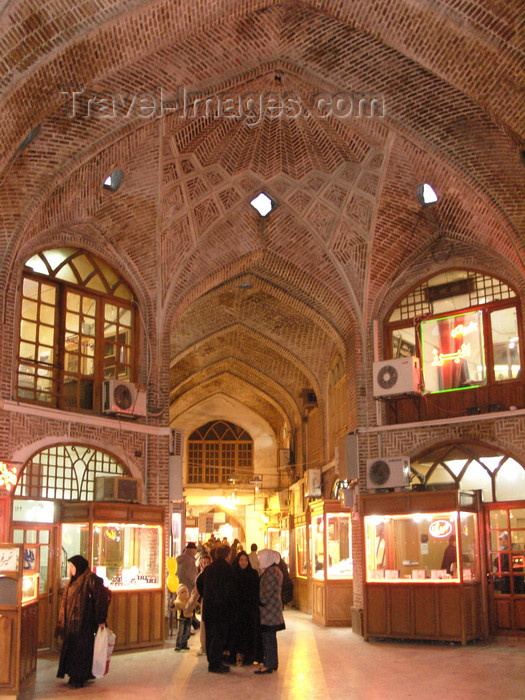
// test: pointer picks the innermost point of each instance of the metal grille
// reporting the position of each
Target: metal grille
(67, 473)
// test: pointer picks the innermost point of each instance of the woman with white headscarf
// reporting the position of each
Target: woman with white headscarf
(271, 608)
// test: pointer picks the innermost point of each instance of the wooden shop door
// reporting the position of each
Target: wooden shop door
(505, 530)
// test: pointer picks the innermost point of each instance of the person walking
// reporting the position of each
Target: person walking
(254, 559)
(83, 609)
(187, 573)
(271, 608)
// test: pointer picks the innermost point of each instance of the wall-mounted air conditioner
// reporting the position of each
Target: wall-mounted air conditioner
(123, 398)
(388, 473)
(284, 499)
(399, 376)
(118, 488)
(312, 483)
(284, 457)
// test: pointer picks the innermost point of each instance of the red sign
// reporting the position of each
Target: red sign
(440, 528)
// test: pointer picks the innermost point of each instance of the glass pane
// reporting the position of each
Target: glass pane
(301, 553)
(44, 567)
(125, 317)
(510, 480)
(317, 535)
(452, 352)
(416, 547)
(73, 302)
(72, 323)
(89, 306)
(111, 313)
(66, 273)
(44, 536)
(339, 543)
(27, 351)
(403, 342)
(505, 344)
(48, 294)
(46, 335)
(469, 547)
(31, 536)
(127, 556)
(29, 309)
(30, 289)
(18, 536)
(75, 540)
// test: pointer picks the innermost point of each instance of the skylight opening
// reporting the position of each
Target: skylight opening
(426, 194)
(113, 181)
(263, 203)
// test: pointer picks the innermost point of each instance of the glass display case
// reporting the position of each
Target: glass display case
(332, 562)
(422, 546)
(284, 540)
(18, 621)
(301, 551)
(127, 556)
(124, 544)
(422, 566)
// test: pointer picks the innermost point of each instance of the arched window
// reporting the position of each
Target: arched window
(77, 328)
(219, 452)
(66, 473)
(464, 326)
(469, 466)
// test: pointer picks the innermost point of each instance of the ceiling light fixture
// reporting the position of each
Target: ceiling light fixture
(263, 203)
(426, 194)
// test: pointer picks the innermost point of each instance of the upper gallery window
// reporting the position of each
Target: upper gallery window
(77, 328)
(219, 452)
(465, 328)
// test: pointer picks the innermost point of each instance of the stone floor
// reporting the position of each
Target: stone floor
(314, 662)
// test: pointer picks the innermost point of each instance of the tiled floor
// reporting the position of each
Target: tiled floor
(314, 662)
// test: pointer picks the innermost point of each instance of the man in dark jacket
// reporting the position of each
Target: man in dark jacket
(216, 585)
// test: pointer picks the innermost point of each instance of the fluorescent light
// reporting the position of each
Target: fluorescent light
(426, 194)
(263, 204)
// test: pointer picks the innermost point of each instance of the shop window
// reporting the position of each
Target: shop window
(66, 473)
(77, 328)
(469, 466)
(219, 452)
(464, 326)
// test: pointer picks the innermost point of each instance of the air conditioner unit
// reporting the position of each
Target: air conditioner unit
(312, 483)
(284, 457)
(399, 376)
(123, 398)
(388, 473)
(284, 499)
(118, 488)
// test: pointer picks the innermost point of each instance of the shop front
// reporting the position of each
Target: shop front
(425, 569)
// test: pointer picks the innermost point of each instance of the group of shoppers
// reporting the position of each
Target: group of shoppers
(241, 610)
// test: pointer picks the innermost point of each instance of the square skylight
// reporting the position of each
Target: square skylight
(263, 204)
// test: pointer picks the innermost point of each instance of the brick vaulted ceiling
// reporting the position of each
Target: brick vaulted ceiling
(257, 310)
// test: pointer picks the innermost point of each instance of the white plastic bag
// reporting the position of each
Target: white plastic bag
(100, 652)
(111, 645)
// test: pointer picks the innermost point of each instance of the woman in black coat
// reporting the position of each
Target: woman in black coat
(246, 620)
(84, 608)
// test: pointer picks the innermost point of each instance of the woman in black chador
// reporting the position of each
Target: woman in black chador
(247, 614)
(84, 608)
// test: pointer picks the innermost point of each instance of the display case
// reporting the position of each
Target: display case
(18, 621)
(124, 544)
(423, 566)
(332, 563)
(300, 565)
(284, 539)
